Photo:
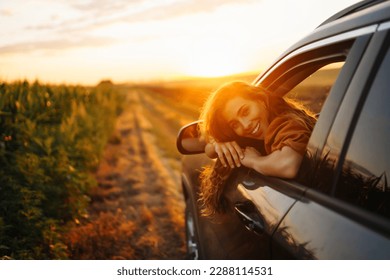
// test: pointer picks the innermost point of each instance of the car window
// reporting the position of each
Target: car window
(313, 90)
(364, 180)
(317, 170)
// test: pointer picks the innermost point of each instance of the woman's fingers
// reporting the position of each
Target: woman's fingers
(218, 150)
(238, 149)
(235, 152)
(230, 153)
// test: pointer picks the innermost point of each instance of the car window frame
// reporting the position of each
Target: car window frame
(309, 50)
(314, 60)
(322, 53)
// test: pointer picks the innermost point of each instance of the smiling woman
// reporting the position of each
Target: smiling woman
(239, 110)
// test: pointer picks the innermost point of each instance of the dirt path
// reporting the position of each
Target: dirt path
(137, 210)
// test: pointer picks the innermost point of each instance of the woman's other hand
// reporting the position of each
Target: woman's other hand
(229, 153)
(250, 156)
(282, 163)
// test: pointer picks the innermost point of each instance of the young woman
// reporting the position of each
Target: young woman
(239, 110)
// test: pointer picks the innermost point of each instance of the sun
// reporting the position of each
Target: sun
(212, 67)
(214, 59)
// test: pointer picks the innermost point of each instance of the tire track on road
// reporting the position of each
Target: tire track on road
(161, 183)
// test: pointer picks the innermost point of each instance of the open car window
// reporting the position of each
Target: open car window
(317, 79)
(313, 90)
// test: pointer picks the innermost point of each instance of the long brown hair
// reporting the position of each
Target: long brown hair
(215, 128)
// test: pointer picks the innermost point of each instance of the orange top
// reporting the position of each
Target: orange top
(287, 130)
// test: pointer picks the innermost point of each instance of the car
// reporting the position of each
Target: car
(338, 206)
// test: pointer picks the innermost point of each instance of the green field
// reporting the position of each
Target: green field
(51, 139)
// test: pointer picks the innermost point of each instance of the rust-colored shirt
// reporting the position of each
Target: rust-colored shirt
(287, 130)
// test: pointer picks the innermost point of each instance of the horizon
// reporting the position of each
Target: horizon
(85, 42)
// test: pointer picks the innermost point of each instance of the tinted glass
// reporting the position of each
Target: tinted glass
(312, 93)
(364, 178)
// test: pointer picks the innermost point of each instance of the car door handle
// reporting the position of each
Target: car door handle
(250, 217)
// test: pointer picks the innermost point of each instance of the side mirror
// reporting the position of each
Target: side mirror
(189, 140)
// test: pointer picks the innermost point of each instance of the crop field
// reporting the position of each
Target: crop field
(51, 141)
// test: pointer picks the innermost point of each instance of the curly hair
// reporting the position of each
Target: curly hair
(211, 198)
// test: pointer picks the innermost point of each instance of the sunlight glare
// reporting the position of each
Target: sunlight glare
(213, 59)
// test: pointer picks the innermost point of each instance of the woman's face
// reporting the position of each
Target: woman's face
(247, 118)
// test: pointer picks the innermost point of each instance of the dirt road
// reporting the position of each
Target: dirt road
(136, 211)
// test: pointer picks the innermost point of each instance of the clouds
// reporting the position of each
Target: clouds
(71, 23)
(92, 14)
(151, 9)
(5, 13)
(97, 13)
(104, 7)
(55, 45)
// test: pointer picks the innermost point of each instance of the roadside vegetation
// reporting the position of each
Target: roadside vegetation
(51, 140)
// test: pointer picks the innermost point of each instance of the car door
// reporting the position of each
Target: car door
(314, 74)
(344, 214)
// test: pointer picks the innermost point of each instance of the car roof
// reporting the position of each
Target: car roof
(352, 9)
(372, 14)
(360, 15)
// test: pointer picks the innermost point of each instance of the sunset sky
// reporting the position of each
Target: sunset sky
(85, 41)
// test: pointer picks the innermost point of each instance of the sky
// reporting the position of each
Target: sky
(86, 41)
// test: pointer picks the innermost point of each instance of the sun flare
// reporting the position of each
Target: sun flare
(215, 68)
(213, 59)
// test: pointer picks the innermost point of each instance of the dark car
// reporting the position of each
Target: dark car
(338, 207)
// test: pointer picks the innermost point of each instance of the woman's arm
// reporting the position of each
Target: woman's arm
(282, 163)
(230, 153)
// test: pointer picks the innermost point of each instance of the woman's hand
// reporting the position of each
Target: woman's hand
(250, 157)
(282, 163)
(229, 153)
